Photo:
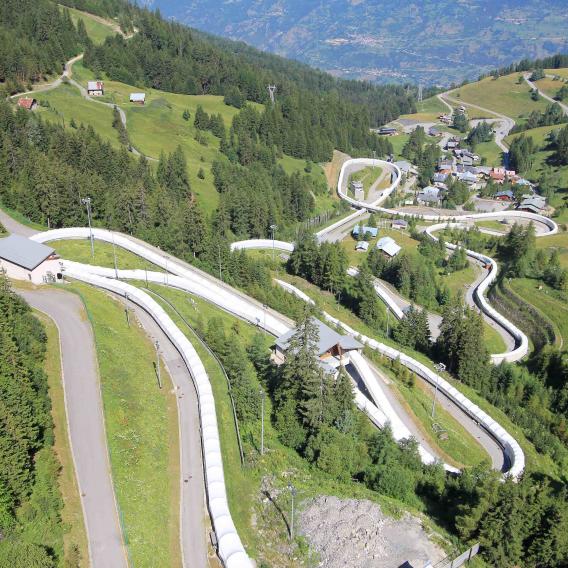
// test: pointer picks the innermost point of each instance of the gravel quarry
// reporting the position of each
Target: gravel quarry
(351, 533)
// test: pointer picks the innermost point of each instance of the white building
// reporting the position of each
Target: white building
(95, 88)
(358, 191)
(23, 259)
(388, 246)
(138, 98)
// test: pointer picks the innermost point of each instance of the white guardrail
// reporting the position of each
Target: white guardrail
(510, 446)
(521, 339)
(230, 548)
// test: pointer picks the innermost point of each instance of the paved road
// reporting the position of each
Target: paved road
(194, 515)
(86, 424)
(13, 226)
(563, 106)
(506, 122)
(493, 450)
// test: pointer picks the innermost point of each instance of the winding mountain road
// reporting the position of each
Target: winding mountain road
(563, 106)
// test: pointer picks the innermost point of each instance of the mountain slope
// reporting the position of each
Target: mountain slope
(432, 41)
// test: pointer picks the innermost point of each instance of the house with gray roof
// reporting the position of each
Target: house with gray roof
(332, 348)
(24, 259)
(388, 246)
(429, 196)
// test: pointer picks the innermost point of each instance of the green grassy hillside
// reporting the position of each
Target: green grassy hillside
(158, 127)
(97, 28)
(503, 95)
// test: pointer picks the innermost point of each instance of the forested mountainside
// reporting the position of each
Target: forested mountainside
(437, 42)
(36, 39)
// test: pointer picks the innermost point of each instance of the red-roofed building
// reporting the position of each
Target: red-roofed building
(27, 103)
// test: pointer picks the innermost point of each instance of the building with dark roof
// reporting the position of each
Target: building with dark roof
(332, 349)
(24, 259)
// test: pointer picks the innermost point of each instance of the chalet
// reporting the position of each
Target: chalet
(505, 195)
(466, 160)
(333, 349)
(497, 177)
(371, 231)
(388, 246)
(387, 131)
(468, 177)
(439, 177)
(483, 170)
(445, 165)
(429, 196)
(362, 246)
(138, 98)
(27, 103)
(523, 182)
(95, 88)
(24, 259)
(452, 144)
(536, 204)
(400, 224)
(433, 131)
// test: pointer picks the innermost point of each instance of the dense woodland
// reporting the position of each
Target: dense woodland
(36, 39)
(30, 503)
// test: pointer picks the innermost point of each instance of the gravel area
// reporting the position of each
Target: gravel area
(351, 533)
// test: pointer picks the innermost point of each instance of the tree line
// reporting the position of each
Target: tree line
(36, 39)
(30, 502)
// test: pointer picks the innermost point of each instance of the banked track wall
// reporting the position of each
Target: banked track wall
(230, 548)
(277, 325)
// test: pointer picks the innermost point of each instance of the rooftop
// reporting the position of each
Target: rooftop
(388, 245)
(24, 252)
(328, 338)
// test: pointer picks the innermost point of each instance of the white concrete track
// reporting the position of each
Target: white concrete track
(209, 288)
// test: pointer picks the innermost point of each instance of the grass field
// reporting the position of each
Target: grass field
(142, 430)
(558, 242)
(493, 225)
(560, 72)
(398, 143)
(367, 176)
(97, 28)
(66, 104)
(490, 152)
(74, 535)
(549, 86)
(503, 95)
(552, 303)
(158, 127)
(541, 159)
(79, 250)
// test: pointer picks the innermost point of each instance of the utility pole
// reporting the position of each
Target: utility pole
(273, 228)
(262, 395)
(388, 320)
(114, 255)
(146, 271)
(219, 255)
(434, 399)
(126, 310)
(293, 493)
(158, 370)
(271, 91)
(420, 93)
(87, 201)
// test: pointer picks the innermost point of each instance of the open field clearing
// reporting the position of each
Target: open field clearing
(142, 430)
(503, 95)
(97, 28)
